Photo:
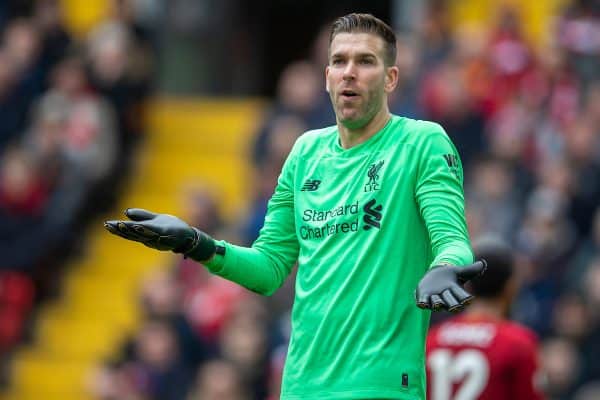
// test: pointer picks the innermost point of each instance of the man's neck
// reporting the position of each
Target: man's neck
(489, 308)
(352, 137)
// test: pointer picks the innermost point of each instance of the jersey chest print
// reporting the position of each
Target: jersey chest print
(324, 214)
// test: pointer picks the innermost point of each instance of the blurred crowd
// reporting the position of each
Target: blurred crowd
(524, 116)
(69, 120)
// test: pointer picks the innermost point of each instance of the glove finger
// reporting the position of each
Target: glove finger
(422, 300)
(139, 214)
(469, 272)
(450, 301)
(461, 295)
(127, 230)
(436, 302)
(111, 226)
(144, 231)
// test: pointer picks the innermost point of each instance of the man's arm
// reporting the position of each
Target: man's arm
(261, 268)
(264, 267)
(439, 195)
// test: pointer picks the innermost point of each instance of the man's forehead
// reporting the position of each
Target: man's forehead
(356, 42)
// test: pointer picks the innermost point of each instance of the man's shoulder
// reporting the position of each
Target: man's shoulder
(518, 334)
(315, 138)
(419, 128)
(419, 133)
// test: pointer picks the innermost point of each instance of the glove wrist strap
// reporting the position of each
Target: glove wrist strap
(202, 248)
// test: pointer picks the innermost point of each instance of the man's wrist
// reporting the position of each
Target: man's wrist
(220, 249)
(204, 247)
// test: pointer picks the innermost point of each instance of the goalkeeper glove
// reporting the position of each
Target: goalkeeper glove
(441, 287)
(165, 232)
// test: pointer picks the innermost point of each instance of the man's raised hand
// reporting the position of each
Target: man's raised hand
(163, 232)
(442, 286)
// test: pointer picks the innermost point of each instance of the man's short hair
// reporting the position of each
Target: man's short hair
(500, 260)
(367, 23)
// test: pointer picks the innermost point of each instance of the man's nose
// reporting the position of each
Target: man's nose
(350, 71)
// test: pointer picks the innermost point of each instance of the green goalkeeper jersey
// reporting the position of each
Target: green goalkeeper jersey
(364, 225)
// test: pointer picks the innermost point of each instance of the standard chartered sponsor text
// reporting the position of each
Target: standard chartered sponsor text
(330, 228)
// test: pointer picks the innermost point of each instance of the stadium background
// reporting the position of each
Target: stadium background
(190, 106)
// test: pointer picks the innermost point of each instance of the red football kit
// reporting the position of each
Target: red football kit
(481, 358)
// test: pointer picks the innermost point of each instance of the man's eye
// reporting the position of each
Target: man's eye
(366, 61)
(337, 61)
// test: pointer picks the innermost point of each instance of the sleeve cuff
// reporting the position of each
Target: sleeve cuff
(454, 254)
(216, 264)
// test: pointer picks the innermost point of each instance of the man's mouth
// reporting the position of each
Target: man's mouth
(348, 94)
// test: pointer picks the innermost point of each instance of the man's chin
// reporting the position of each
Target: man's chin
(354, 122)
(348, 115)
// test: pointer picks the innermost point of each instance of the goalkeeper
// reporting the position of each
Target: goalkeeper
(372, 209)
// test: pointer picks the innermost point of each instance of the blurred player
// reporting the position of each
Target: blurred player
(479, 355)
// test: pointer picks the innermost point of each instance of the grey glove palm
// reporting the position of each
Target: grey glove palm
(441, 287)
(163, 232)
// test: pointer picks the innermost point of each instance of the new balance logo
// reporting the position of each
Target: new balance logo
(311, 185)
(372, 215)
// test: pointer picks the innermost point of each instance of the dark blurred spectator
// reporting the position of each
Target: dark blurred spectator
(546, 233)
(591, 288)
(203, 210)
(435, 33)
(281, 337)
(588, 250)
(157, 371)
(583, 152)
(244, 342)
(509, 54)
(446, 99)
(48, 19)
(23, 199)
(589, 391)
(300, 94)
(509, 135)
(162, 298)
(272, 147)
(22, 43)
(490, 189)
(218, 380)
(571, 319)
(120, 62)
(547, 239)
(23, 191)
(561, 365)
(404, 100)
(13, 104)
(207, 300)
(590, 347)
(90, 133)
(591, 104)
(579, 33)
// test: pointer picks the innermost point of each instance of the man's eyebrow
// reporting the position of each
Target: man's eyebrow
(359, 55)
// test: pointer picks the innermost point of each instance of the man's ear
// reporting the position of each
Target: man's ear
(391, 78)
(327, 80)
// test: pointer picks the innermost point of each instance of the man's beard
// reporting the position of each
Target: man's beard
(363, 114)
